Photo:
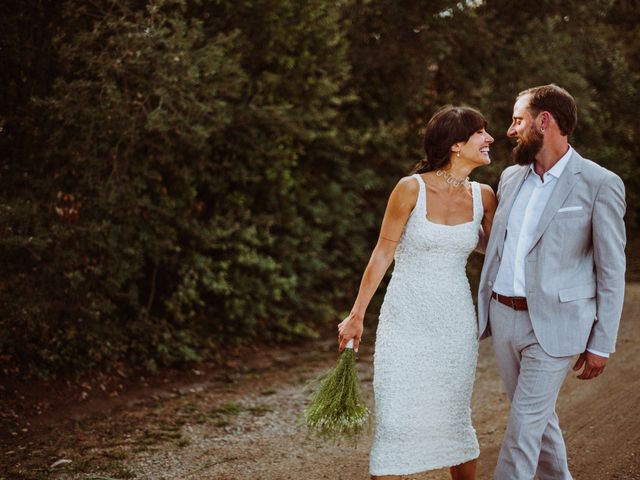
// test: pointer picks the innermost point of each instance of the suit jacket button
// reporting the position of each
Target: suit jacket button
(490, 283)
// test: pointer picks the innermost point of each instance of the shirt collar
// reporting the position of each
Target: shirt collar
(558, 168)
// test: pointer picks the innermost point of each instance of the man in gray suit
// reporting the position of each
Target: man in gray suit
(552, 285)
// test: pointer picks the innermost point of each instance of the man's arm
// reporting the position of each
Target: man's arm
(500, 185)
(609, 239)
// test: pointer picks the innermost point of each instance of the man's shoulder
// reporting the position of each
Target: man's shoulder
(507, 177)
(512, 171)
(595, 172)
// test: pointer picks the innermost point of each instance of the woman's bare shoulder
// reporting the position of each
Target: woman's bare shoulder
(487, 189)
(408, 183)
(406, 191)
(488, 195)
(408, 186)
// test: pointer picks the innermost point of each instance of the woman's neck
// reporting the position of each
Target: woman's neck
(454, 176)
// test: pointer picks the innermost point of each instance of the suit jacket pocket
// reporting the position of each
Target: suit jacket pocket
(577, 293)
(562, 215)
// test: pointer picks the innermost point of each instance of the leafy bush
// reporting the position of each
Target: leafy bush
(178, 175)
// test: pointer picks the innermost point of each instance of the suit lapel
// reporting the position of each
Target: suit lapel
(563, 188)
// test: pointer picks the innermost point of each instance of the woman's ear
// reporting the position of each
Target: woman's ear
(455, 148)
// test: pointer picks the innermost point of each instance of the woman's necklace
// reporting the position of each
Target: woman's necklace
(451, 180)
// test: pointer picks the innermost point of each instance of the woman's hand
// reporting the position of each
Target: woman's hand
(350, 328)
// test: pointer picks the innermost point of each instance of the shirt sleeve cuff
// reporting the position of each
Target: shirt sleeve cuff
(596, 352)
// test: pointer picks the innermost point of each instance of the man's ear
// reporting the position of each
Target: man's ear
(544, 120)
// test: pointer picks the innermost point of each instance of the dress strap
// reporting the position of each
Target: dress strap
(478, 208)
(421, 202)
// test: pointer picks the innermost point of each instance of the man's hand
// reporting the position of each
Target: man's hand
(593, 365)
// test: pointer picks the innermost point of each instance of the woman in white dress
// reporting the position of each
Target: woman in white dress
(426, 341)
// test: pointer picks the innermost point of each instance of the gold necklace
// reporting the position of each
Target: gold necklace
(450, 179)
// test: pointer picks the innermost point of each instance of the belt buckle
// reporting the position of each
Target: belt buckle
(513, 302)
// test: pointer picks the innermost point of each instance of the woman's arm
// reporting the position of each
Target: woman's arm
(401, 203)
(489, 204)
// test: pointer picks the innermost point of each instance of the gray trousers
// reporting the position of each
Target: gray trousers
(533, 442)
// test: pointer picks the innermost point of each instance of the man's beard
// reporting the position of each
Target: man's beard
(524, 153)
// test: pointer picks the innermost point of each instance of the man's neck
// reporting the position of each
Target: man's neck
(548, 156)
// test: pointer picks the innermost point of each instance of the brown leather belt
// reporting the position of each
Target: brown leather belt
(517, 303)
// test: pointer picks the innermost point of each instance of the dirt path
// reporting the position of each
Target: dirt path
(241, 424)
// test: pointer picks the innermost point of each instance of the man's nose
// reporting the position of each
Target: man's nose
(511, 132)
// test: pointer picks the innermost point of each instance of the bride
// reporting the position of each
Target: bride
(426, 341)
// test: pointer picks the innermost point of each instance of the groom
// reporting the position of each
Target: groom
(552, 284)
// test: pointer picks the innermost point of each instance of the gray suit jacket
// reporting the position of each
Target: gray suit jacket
(574, 271)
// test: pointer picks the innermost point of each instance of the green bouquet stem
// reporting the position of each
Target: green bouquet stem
(337, 408)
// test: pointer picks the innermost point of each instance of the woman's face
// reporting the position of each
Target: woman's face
(476, 149)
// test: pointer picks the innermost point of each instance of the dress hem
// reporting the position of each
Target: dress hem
(428, 467)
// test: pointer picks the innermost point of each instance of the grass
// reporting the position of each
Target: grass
(183, 442)
(116, 454)
(128, 474)
(221, 422)
(220, 415)
(117, 469)
(189, 408)
(260, 409)
(231, 408)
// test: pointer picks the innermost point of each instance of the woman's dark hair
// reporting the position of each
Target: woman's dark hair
(447, 126)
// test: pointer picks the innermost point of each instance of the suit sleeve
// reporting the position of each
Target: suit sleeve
(483, 240)
(609, 239)
(500, 183)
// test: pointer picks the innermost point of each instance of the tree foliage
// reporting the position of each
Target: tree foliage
(182, 175)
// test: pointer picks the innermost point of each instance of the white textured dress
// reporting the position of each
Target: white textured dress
(426, 348)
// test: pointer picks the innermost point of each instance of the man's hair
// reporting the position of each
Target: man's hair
(555, 100)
